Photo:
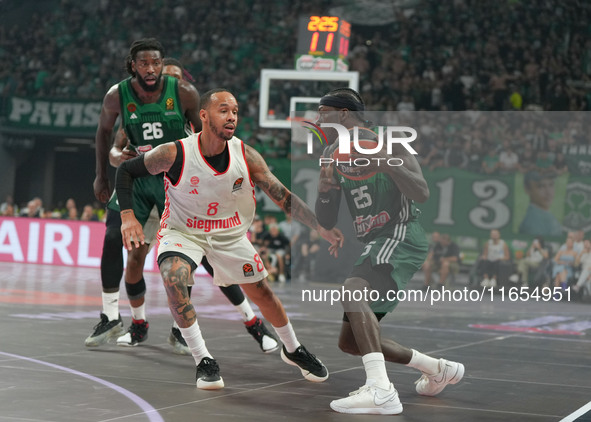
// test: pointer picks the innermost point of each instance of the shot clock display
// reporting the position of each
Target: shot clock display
(323, 36)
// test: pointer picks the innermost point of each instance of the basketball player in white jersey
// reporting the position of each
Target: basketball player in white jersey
(209, 182)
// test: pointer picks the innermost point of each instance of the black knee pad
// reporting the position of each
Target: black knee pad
(137, 290)
(234, 294)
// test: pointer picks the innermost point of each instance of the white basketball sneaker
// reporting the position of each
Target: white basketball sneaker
(370, 399)
(449, 373)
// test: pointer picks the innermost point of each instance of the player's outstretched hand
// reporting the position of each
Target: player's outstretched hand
(131, 230)
(333, 236)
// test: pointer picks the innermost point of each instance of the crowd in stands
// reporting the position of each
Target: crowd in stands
(452, 56)
(35, 209)
(540, 265)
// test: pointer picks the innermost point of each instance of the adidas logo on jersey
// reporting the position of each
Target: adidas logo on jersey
(194, 192)
(133, 116)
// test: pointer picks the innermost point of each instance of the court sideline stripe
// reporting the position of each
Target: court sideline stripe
(149, 411)
(585, 410)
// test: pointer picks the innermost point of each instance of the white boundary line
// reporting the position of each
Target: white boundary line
(580, 412)
(151, 413)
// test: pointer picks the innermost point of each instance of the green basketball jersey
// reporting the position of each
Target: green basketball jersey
(376, 205)
(149, 125)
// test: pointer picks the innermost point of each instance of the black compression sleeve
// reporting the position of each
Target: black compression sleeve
(327, 208)
(127, 171)
(174, 173)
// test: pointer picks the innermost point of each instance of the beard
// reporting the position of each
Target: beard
(145, 86)
(220, 132)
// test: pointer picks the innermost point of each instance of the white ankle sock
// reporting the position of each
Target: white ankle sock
(375, 370)
(424, 363)
(111, 305)
(288, 337)
(139, 313)
(174, 324)
(245, 310)
(194, 339)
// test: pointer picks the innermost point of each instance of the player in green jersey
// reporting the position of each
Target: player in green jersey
(385, 219)
(153, 109)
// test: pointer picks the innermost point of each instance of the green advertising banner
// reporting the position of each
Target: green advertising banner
(52, 116)
(464, 203)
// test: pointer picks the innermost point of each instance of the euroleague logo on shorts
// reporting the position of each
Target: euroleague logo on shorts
(351, 156)
(248, 270)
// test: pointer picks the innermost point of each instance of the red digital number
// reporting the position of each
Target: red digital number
(328, 45)
(344, 47)
(314, 41)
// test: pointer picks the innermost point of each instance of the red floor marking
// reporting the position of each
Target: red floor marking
(526, 329)
(35, 297)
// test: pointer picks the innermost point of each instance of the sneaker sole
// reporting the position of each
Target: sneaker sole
(127, 344)
(104, 338)
(215, 385)
(367, 410)
(308, 375)
(454, 380)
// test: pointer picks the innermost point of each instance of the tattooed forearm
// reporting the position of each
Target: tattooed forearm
(175, 273)
(301, 212)
(267, 181)
(287, 204)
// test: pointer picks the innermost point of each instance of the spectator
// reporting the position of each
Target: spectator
(34, 208)
(564, 262)
(490, 163)
(444, 259)
(71, 212)
(276, 246)
(536, 254)
(8, 202)
(527, 159)
(508, 159)
(257, 231)
(494, 253)
(88, 214)
(584, 262)
(9, 211)
(455, 156)
(560, 166)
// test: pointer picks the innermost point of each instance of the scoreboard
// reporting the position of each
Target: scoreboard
(322, 37)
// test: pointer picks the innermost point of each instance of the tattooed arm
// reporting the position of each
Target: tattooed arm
(156, 161)
(291, 204)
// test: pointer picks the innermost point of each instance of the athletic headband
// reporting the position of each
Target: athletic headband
(341, 102)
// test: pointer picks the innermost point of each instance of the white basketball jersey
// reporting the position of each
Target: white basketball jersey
(205, 202)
